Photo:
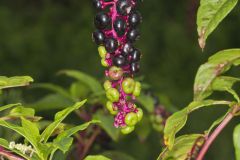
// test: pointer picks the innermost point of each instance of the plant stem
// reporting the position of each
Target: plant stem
(89, 143)
(216, 132)
(9, 155)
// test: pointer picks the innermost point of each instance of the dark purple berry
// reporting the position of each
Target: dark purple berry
(119, 61)
(98, 37)
(134, 19)
(97, 4)
(111, 45)
(133, 35)
(135, 55)
(124, 7)
(127, 49)
(102, 20)
(135, 67)
(120, 26)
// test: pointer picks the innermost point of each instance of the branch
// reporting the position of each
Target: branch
(216, 132)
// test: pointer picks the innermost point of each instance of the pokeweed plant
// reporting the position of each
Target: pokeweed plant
(211, 77)
(36, 145)
(116, 23)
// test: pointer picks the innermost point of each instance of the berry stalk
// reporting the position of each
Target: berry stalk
(116, 23)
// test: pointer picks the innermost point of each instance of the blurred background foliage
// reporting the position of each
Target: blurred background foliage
(39, 38)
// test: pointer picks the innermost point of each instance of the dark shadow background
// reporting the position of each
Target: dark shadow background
(39, 38)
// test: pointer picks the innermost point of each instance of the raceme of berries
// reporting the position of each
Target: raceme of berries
(116, 25)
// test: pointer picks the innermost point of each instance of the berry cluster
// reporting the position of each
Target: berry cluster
(116, 23)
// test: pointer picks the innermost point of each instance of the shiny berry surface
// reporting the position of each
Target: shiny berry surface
(116, 23)
(120, 26)
(102, 20)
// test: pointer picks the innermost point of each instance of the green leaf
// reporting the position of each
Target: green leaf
(107, 124)
(22, 111)
(91, 82)
(51, 102)
(182, 147)
(63, 140)
(54, 88)
(59, 117)
(236, 140)
(144, 128)
(79, 90)
(178, 120)
(210, 14)
(115, 155)
(208, 72)
(147, 102)
(17, 81)
(22, 131)
(32, 127)
(9, 106)
(96, 157)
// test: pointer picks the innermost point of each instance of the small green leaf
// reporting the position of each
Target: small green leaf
(107, 124)
(96, 157)
(182, 147)
(54, 88)
(91, 82)
(236, 140)
(59, 117)
(178, 120)
(9, 106)
(115, 155)
(79, 90)
(210, 14)
(22, 111)
(208, 72)
(63, 140)
(17, 81)
(30, 126)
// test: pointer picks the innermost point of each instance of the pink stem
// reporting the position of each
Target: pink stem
(9, 155)
(214, 135)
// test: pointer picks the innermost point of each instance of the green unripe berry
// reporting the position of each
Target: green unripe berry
(113, 94)
(127, 130)
(107, 85)
(104, 62)
(110, 106)
(131, 119)
(115, 73)
(102, 52)
(128, 85)
(140, 114)
(158, 127)
(137, 89)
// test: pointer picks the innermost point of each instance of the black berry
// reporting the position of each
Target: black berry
(135, 55)
(120, 26)
(135, 67)
(127, 49)
(119, 61)
(97, 4)
(133, 35)
(102, 20)
(124, 7)
(134, 19)
(111, 45)
(98, 37)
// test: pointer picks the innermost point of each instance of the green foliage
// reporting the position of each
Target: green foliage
(42, 148)
(97, 157)
(182, 148)
(236, 139)
(209, 72)
(210, 14)
(9, 82)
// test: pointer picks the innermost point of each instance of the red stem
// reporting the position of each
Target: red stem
(216, 132)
